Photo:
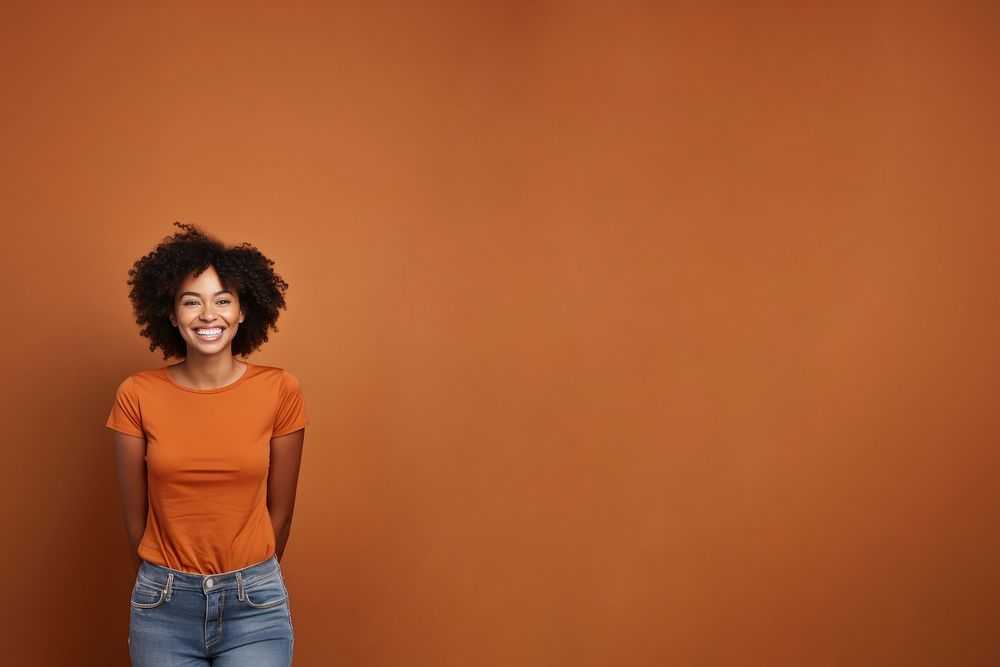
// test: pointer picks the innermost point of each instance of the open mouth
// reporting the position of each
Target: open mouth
(210, 334)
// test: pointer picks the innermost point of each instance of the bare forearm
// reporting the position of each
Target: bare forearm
(134, 538)
(135, 516)
(282, 479)
(130, 457)
(282, 528)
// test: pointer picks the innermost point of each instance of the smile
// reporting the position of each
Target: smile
(214, 333)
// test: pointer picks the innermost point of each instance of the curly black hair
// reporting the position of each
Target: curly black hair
(157, 277)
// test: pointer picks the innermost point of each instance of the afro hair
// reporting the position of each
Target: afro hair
(157, 277)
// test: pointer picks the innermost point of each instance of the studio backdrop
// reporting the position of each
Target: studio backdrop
(631, 334)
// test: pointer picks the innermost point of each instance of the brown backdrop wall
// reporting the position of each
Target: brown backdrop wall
(632, 334)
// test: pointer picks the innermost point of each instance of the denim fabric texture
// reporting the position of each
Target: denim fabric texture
(242, 617)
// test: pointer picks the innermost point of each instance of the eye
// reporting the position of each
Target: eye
(223, 300)
(188, 303)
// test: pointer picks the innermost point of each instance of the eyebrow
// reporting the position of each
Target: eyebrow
(225, 291)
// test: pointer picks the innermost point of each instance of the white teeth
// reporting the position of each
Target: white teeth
(208, 333)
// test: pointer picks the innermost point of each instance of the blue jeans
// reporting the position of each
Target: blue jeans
(237, 618)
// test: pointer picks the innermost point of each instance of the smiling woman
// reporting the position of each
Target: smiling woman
(208, 453)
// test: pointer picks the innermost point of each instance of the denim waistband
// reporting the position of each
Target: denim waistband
(170, 579)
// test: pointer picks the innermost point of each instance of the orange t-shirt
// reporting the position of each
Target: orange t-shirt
(207, 458)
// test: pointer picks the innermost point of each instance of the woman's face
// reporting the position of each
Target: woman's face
(204, 305)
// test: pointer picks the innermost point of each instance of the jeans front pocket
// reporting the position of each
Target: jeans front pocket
(269, 591)
(147, 596)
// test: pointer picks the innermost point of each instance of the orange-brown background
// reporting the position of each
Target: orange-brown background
(632, 334)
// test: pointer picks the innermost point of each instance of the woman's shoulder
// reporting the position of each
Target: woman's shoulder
(278, 371)
(136, 384)
(287, 382)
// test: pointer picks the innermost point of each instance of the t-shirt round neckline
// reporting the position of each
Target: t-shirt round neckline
(232, 385)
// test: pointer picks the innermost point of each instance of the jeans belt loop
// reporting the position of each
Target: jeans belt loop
(239, 586)
(170, 584)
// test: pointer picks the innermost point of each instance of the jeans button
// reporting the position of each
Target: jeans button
(209, 583)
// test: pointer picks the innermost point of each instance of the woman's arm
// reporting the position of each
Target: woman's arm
(130, 453)
(282, 480)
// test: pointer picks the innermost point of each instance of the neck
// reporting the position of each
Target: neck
(210, 372)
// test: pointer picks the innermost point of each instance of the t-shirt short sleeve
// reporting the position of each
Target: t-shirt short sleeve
(291, 414)
(125, 414)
